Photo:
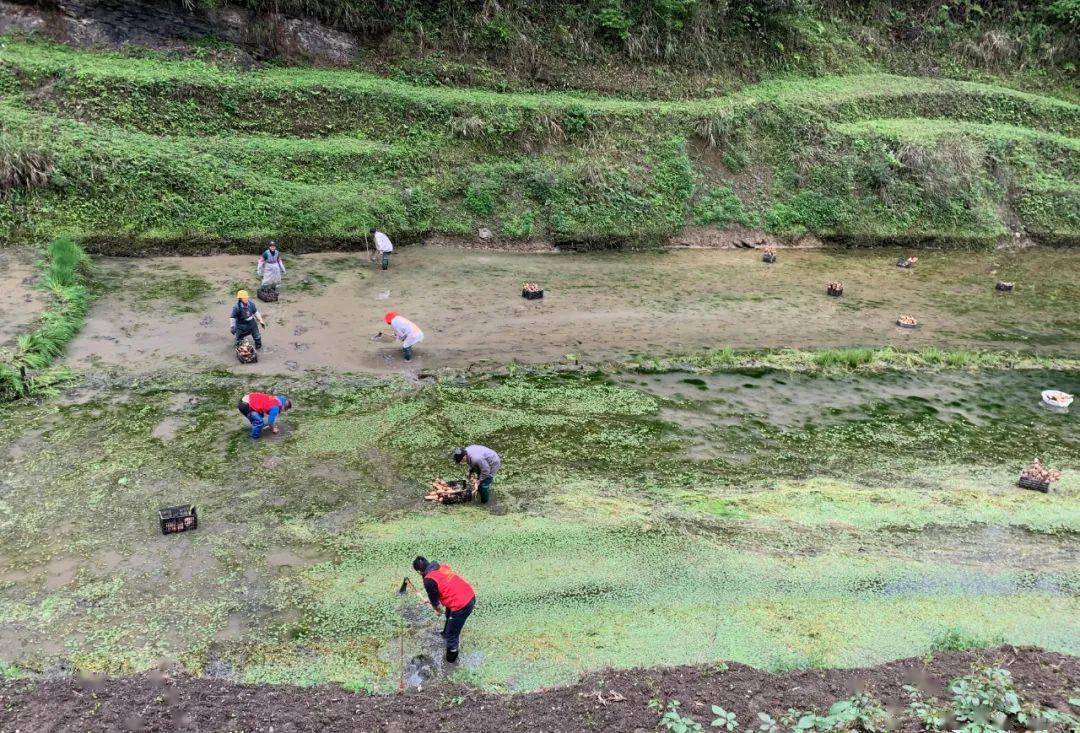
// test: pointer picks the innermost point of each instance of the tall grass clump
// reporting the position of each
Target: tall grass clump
(22, 373)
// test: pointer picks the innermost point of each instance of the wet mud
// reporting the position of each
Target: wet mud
(174, 312)
(21, 301)
(605, 701)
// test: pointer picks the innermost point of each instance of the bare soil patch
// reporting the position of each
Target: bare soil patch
(610, 700)
(596, 307)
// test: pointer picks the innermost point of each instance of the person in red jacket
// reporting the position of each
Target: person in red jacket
(451, 591)
(262, 410)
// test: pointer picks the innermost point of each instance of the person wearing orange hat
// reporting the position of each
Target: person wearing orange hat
(245, 320)
(407, 332)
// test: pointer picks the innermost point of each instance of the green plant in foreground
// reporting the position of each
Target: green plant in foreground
(983, 701)
(672, 720)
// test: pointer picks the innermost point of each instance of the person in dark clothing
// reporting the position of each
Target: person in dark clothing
(245, 320)
(449, 590)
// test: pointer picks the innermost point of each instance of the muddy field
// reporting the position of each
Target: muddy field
(21, 302)
(173, 312)
(608, 701)
(777, 519)
(784, 520)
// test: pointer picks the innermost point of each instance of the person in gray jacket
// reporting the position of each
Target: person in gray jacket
(483, 462)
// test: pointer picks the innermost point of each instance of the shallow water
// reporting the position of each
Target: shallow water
(597, 306)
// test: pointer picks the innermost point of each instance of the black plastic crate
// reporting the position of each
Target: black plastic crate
(834, 292)
(175, 519)
(768, 257)
(268, 294)
(1034, 485)
(1005, 287)
(532, 294)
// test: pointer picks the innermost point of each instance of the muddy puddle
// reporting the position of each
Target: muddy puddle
(174, 312)
(21, 301)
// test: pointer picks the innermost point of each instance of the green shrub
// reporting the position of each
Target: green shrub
(720, 206)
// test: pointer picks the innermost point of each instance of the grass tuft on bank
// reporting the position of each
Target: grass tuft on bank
(25, 371)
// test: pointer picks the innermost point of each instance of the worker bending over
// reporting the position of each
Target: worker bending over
(245, 320)
(407, 332)
(271, 267)
(384, 247)
(262, 410)
(483, 463)
(447, 589)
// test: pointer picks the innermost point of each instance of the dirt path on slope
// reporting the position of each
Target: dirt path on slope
(607, 701)
(20, 301)
(163, 312)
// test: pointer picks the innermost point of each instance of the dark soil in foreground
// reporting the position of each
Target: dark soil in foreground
(613, 700)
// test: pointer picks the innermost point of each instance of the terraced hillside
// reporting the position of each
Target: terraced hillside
(140, 151)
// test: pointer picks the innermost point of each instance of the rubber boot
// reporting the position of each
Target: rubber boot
(451, 655)
(385, 261)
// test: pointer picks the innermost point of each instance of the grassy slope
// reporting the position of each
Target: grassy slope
(153, 149)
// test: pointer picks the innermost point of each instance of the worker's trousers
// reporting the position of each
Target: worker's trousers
(485, 489)
(243, 330)
(455, 620)
(254, 417)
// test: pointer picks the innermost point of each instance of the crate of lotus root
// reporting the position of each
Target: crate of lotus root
(531, 291)
(452, 492)
(768, 254)
(906, 321)
(1038, 477)
(907, 262)
(246, 353)
(835, 289)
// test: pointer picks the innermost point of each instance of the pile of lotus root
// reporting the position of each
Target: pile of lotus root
(1038, 472)
(768, 250)
(908, 321)
(834, 287)
(530, 287)
(444, 493)
(245, 352)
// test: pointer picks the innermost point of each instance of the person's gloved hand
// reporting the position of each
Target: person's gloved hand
(232, 330)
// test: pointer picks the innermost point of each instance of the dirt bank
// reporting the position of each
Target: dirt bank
(173, 312)
(20, 301)
(615, 701)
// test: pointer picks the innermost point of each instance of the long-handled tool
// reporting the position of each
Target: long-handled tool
(407, 583)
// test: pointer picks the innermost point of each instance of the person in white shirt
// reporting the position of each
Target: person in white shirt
(384, 247)
(407, 332)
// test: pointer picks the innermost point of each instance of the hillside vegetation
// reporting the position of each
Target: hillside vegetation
(133, 152)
